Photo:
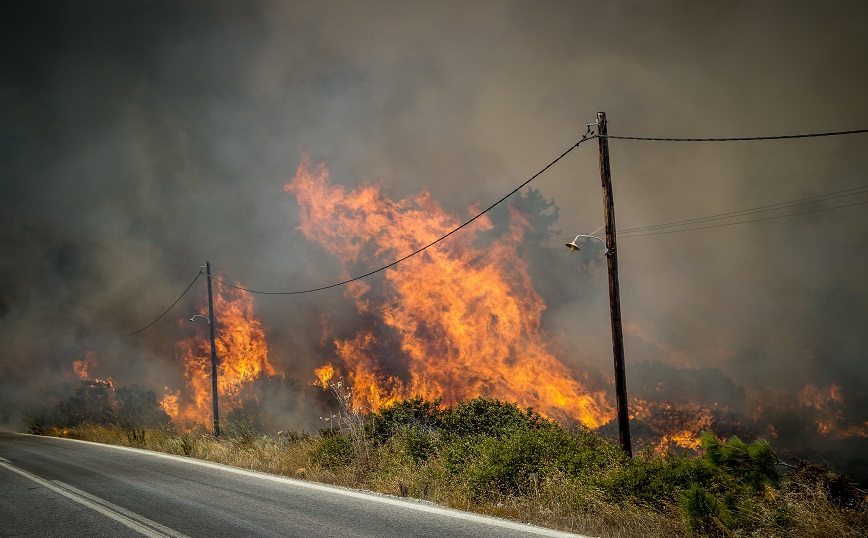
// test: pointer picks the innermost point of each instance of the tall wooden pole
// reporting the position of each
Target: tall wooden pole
(211, 323)
(614, 290)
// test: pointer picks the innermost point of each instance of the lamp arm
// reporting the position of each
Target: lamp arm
(592, 236)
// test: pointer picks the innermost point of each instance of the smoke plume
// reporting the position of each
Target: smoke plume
(142, 138)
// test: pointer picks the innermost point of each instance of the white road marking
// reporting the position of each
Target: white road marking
(420, 506)
(136, 522)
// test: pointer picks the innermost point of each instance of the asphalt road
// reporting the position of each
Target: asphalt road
(60, 487)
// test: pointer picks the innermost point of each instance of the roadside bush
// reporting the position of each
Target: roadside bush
(418, 444)
(704, 512)
(490, 456)
(97, 402)
(332, 452)
(493, 466)
(415, 414)
(587, 454)
(753, 464)
(653, 481)
(491, 418)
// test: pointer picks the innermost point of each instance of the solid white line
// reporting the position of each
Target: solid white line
(166, 531)
(420, 506)
(134, 521)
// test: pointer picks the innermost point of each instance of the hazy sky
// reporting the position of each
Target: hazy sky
(140, 138)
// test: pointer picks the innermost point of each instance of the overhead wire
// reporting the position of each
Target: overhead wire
(761, 209)
(170, 307)
(587, 136)
(632, 232)
(736, 138)
(722, 225)
(646, 229)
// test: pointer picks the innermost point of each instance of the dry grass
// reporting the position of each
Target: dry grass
(560, 504)
(799, 509)
(811, 513)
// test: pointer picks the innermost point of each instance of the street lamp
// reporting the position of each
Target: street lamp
(573, 246)
(208, 321)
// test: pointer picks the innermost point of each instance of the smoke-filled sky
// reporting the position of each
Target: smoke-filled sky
(141, 138)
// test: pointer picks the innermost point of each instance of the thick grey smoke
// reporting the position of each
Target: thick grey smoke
(141, 138)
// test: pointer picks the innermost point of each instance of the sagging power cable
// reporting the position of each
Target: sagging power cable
(586, 137)
(170, 307)
(633, 232)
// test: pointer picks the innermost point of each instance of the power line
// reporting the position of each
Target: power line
(744, 221)
(738, 139)
(170, 307)
(761, 209)
(587, 136)
(627, 233)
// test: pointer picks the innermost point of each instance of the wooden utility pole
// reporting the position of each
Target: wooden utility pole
(211, 323)
(614, 290)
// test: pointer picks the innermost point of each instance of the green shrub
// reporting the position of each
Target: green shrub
(753, 464)
(704, 512)
(186, 444)
(655, 481)
(413, 445)
(413, 414)
(585, 454)
(136, 437)
(491, 418)
(493, 466)
(332, 452)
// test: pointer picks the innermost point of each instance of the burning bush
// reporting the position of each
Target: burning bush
(97, 402)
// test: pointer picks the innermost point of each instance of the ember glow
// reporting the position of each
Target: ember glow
(84, 367)
(85, 370)
(454, 322)
(670, 425)
(828, 409)
(242, 355)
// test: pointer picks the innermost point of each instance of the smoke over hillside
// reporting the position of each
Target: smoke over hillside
(142, 138)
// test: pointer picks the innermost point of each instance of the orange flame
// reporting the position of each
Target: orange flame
(828, 406)
(170, 403)
(324, 375)
(676, 426)
(242, 357)
(462, 322)
(85, 366)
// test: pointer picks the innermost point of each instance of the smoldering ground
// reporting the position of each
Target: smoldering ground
(142, 138)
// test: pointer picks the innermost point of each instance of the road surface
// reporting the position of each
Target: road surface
(61, 487)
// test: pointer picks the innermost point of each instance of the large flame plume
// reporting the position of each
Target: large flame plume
(454, 322)
(242, 357)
